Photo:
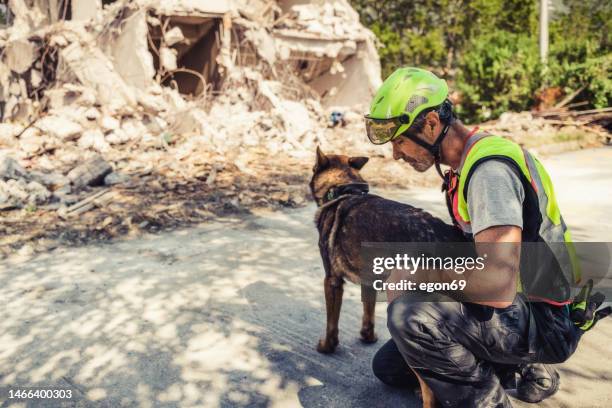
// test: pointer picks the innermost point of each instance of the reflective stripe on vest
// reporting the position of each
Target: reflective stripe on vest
(552, 227)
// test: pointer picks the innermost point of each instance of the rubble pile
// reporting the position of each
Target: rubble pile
(94, 95)
(545, 135)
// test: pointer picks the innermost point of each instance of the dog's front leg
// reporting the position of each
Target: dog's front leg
(333, 301)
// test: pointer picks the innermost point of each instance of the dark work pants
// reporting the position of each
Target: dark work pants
(459, 349)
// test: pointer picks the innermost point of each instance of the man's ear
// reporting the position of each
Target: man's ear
(322, 160)
(432, 119)
(358, 162)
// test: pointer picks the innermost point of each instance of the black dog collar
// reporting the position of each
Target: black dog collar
(349, 188)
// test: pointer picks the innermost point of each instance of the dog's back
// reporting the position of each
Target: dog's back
(345, 225)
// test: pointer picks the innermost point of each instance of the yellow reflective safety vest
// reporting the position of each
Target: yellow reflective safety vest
(542, 220)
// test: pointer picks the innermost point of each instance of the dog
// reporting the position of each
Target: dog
(348, 215)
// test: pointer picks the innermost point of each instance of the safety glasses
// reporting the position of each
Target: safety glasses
(380, 131)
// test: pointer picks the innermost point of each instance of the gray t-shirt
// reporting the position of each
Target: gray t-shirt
(495, 196)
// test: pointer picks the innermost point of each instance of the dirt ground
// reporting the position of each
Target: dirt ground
(228, 313)
(157, 201)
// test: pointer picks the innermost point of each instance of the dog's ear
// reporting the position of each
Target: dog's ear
(358, 162)
(322, 160)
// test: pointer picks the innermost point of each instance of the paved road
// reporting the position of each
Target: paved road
(228, 314)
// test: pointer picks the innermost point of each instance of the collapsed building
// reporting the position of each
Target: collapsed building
(167, 81)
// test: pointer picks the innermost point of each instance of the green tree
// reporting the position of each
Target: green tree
(488, 48)
(433, 33)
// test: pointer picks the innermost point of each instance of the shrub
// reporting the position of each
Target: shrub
(497, 72)
(575, 64)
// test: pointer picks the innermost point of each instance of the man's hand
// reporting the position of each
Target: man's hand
(583, 310)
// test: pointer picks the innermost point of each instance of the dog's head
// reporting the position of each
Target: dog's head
(334, 171)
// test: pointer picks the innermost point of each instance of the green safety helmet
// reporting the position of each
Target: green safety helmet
(401, 98)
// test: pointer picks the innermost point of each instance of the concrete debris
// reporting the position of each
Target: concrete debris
(20, 194)
(86, 9)
(167, 85)
(174, 36)
(94, 139)
(59, 127)
(117, 137)
(20, 188)
(112, 179)
(109, 123)
(90, 173)
(264, 44)
(94, 69)
(20, 55)
(546, 135)
(11, 169)
(167, 58)
(129, 50)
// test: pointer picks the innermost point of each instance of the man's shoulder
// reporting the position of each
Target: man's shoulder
(496, 169)
(495, 195)
(495, 178)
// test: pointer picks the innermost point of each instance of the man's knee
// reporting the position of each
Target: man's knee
(409, 319)
(389, 367)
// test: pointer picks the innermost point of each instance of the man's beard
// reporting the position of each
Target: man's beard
(419, 165)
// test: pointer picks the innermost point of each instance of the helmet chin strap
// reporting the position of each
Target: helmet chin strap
(434, 148)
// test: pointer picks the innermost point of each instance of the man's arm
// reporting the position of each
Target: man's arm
(495, 202)
(503, 261)
(495, 285)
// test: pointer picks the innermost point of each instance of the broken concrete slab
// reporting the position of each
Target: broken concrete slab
(93, 69)
(355, 83)
(94, 139)
(20, 193)
(263, 12)
(174, 36)
(11, 169)
(84, 10)
(110, 123)
(112, 179)
(130, 51)
(52, 181)
(20, 55)
(264, 44)
(31, 145)
(117, 137)
(59, 127)
(167, 58)
(196, 8)
(37, 193)
(90, 173)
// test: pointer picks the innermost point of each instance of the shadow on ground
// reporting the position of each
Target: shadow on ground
(225, 315)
